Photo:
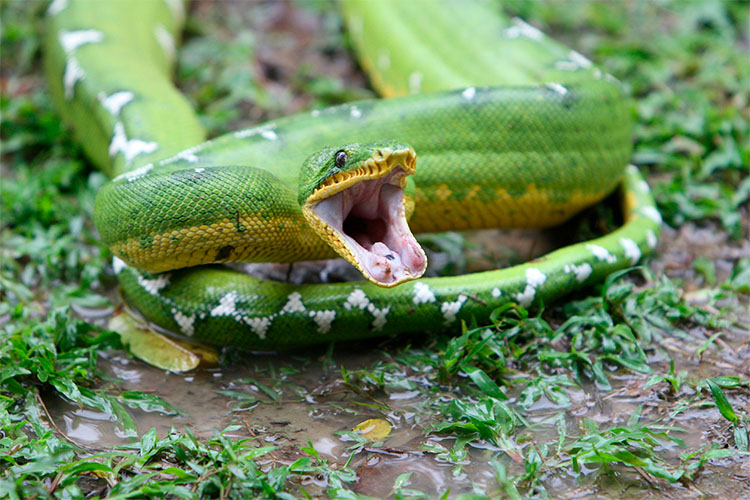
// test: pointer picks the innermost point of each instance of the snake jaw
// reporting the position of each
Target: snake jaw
(361, 213)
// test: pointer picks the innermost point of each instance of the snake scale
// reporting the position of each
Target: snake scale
(511, 129)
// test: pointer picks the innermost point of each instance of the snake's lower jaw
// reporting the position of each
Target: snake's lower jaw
(366, 224)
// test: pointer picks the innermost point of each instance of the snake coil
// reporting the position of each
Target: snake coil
(512, 130)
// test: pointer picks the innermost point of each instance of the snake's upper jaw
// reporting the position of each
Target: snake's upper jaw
(363, 217)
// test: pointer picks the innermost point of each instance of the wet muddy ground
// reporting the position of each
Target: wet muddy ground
(289, 400)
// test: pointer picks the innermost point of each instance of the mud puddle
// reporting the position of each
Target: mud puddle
(293, 400)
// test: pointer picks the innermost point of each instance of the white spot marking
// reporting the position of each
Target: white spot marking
(188, 156)
(259, 325)
(129, 147)
(379, 314)
(522, 28)
(118, 265)
(153, 286)
(496, 292)
(423, 294)
(652, 213)
(612, 79)
(631, 250)
(469, 93)
(294, 303)
(227, 306)
(73, 73)
(560, 89)
(71, 40)
(199, 170)
(651, 239)
(512, 32)
(526, 297)
(579, 59)
(534, 279)
(56, 7)
(602, 253)
(165, 39)
(269, 135)
(415, 82)
(248, 132)
(115, 102)
(177, 8)
(450, 309)
(581, 272)
(566, 66)
(135, 174)
(185, 322)
(265, 132)
(323, 319)
(356, 299)
(355, 112)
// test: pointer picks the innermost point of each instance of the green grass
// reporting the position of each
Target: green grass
(685, 64)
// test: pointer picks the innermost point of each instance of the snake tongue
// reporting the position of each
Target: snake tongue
(369, 227)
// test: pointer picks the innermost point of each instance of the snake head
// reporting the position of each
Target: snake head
(353, 197)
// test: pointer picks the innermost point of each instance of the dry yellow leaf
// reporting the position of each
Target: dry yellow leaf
(374, 429)
(158, 350)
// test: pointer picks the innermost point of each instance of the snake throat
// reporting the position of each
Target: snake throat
(361, 213)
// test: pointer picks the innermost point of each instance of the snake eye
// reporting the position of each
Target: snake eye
(340, 159)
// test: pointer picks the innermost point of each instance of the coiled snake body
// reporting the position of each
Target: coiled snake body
(511, 130)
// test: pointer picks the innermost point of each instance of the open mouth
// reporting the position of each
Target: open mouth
(365, 220)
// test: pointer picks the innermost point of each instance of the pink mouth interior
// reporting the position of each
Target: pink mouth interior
(369, 216)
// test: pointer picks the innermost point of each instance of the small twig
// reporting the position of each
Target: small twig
(255, 435)
(57, 429)
(675, 348)
(647, 477)
(727, 366)
(392, 452)
(225, 491)
(53, 486)
(475, 299)
(727, 346)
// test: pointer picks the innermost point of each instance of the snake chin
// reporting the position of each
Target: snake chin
(366, 224)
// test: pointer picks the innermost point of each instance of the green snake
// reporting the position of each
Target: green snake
(511, 129)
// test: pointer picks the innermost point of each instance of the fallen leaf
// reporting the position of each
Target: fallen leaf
(374, 429)
(158, 350)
